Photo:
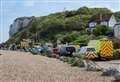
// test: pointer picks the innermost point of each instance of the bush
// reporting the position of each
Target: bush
(78, 62)
(64, 59)
(83, 39)
(69, 37)
(116, 43)
(102, 30)
(44, 53)
(116, 54)
(74, 61)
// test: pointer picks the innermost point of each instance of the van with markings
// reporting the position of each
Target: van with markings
(89, 52)
(104, 48)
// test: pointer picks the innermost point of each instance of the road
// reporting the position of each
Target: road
(25, 67)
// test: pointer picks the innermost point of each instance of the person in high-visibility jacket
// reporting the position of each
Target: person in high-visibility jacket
(24, 45)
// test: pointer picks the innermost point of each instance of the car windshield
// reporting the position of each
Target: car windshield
(90, 49)
(70, 48)
(55, 49)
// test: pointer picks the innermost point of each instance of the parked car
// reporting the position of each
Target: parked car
(67, 51)
(37, 49)
(45, 48)
(55, 52)
(89, 52)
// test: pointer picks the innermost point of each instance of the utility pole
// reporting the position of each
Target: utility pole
(64, 12)
(36, 36)
(64, 18)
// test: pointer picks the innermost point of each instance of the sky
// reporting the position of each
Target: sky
(11, 9)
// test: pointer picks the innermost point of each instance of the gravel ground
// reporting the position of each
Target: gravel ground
(110, 64)
(24, 67)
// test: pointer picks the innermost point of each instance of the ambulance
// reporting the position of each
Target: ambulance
(99, 48)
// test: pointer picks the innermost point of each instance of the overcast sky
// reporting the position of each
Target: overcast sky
(11, 9)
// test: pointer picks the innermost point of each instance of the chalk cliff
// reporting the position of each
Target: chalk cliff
(19, 23)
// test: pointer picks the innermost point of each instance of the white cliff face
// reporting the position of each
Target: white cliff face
(19, 24)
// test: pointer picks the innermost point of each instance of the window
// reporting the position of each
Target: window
(90, 49)
(104, 23)
(118, 29)
(92, 24)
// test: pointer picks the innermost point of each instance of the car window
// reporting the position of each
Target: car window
(90, 49)
(83, 50)
(70, 48)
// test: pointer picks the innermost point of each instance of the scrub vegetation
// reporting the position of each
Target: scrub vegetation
(67, 26)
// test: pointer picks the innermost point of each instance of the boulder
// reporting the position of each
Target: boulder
(109, 71)
(92, 67)
(117, 75)
(82, 64)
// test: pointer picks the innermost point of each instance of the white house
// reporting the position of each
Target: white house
(103, 19)
(117, 30)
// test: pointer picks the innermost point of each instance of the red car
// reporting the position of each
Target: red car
(55, 52)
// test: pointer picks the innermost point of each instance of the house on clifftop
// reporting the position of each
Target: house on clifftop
(117, 30)
(103, 19)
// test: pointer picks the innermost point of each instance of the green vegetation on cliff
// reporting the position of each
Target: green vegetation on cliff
(67, 26)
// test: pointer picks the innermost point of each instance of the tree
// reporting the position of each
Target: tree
(51, 26)
(33, 28)
(83, 10)
(69, 37)
(117, 15)
(24, 35)
(83, 39)
(101, 30)
(87, 11)
(74, 23)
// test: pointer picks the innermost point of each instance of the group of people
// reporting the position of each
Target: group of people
(13, 47)
(3, 46)
(23, 45)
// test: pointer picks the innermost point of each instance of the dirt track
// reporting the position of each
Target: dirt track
(24, 67)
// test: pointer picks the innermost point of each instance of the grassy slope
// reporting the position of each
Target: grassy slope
(59, 24)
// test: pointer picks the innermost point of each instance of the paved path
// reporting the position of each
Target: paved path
(24, 67)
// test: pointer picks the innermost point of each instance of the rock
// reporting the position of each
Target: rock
(117, 76)
(18, 24)
(82, 64)
(92, 67)
(109, 71)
